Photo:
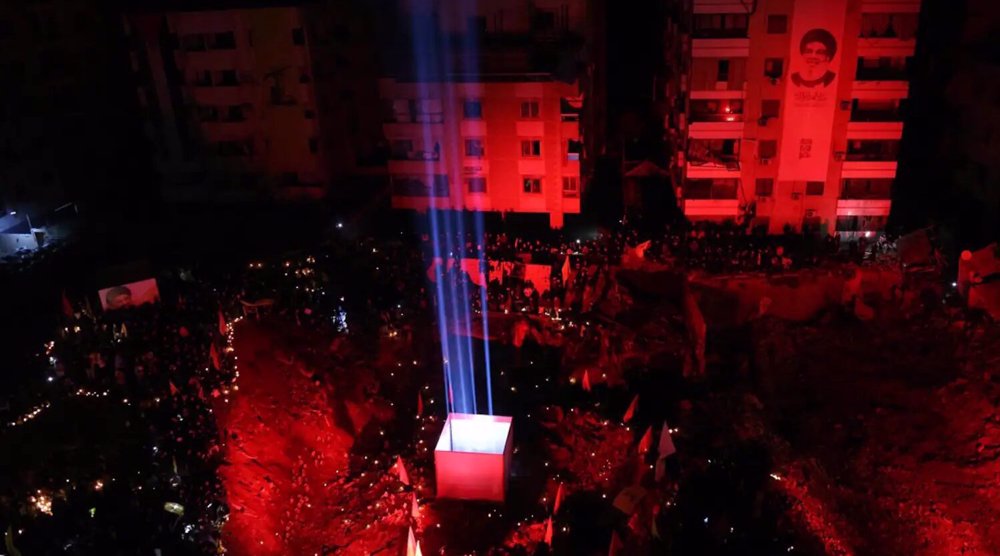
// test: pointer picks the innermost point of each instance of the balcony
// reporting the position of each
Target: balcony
(424, 155)
(889, 73)
(868, 169)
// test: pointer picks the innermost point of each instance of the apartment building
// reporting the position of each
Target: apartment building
(485, 146)
(484, 111)
(228, 102)
(792, 112)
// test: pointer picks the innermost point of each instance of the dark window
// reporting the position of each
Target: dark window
(474, 148)
(235, 113)
(777, 23)
(722, 73)
(814, 188)
(573, 149)
(765, 187)
(767, 149)
(208, 114)
(203, 79)
(774, 67)
(193, 43)
(770, 108)
(227, 78)
(298, 36)
(571, 186)
(224, 41)
(313, 145)
(472, 109)
(545, 20)
(475, 185)
(401, 149)
(532, 185)
(529, 109)
(531, 148)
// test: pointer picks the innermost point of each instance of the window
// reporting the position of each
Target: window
(203, 78)
(401, 149)
(571, 186)
(298, 36)
(313, 145)
(777, 24)
(774, 67)
(720, 26)
(722, 73)
(814, 188)
(529, 109)
(531, 148)
(573, 149)
(532, 185)
(770, 108)
(475, 185)
(193, 43)
(208, 114)
(545, 20)
(474, 148)
(223, 41)
(429, 110)
(472, 109)
(235, 113)
(767, 149)
(765, 187)
(227, 78)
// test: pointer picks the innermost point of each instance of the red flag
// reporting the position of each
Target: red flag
(420, 404)
(630, 412)
(558, 501)
(647, 441)
(548, 531)
(414, 508)
(616, 544)
(67, 307)
(173, 389)
(222, 323)
(586, 381)
(214, 355)
(404, 477)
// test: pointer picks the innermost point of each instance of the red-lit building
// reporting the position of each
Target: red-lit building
(792, 111)
(505, 146)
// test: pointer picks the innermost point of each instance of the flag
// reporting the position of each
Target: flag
(214, 355)
(173, 389)
(586, 381)
(630, 412)
(411, 543)
(558, 501)
(548, 531)
(616, 544)
(566, 269)
(404, 477)
(124, 331)
(67, 307)
(414, 507)
(420, 404)
(666, 446)
(646, 442)
(222, 323)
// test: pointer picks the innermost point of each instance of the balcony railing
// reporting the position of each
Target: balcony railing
(698, 191)
(881, 156)
(876, 115)
(716, 117)
(727, 33)
(715, 159)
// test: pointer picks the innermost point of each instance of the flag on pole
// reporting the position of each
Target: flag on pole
(630, 412)
(566, 269)
(173, 389)
(548, 531)
(414, 507)
(67, 307)
(124, 331)
(666, 446)
(558, 501)
(213, 354)
(646, 442)
(404, 477)
(586, 380)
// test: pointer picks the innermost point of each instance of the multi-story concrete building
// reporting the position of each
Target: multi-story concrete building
(792, 111)
(485, 146)
(484, 111)
(229, 102)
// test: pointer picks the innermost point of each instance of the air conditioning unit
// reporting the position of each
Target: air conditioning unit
(839, 156)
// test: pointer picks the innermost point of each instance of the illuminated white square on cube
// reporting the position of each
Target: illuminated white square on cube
(472, 457)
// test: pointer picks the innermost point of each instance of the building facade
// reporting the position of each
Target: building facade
(484, 146)
(792, 112)
(228, 102)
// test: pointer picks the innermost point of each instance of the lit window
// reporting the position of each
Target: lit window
(571, 186)
(472, 109)
(531, 148)
(474, 148)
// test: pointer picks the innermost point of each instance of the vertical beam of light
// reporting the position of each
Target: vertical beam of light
(431, 63)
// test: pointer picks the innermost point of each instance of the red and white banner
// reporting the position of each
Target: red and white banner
(811, 89)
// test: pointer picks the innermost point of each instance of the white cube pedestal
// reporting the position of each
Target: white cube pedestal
(472, 457)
